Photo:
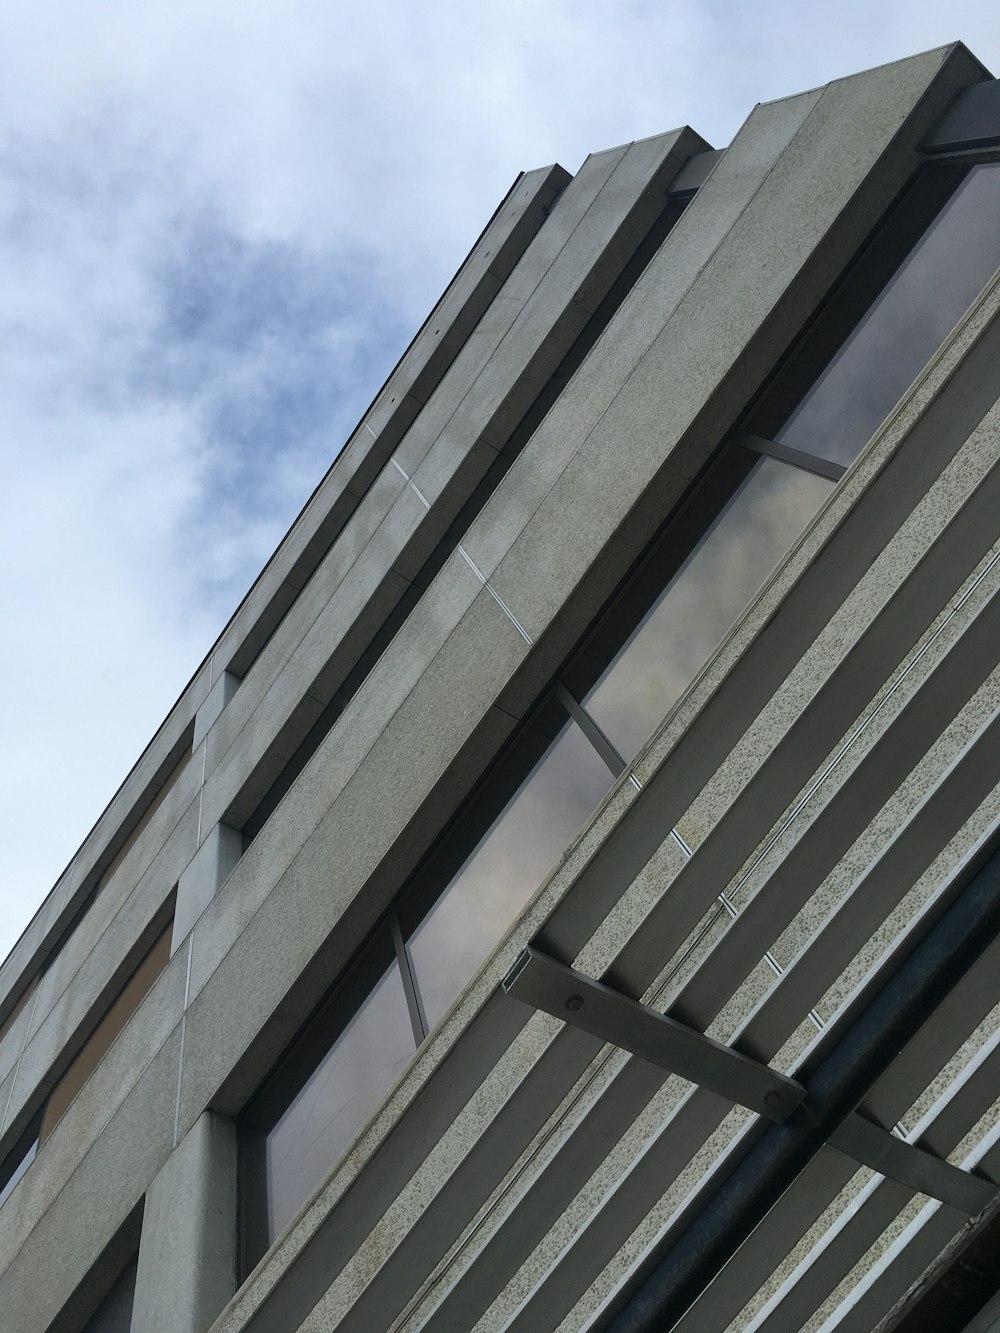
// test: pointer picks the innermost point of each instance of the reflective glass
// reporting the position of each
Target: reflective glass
(915, 311)
(703, 600)
(350, 1081)
(505, 868)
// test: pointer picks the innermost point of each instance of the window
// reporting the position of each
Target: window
(327, 1086)
(694, 582)
(114, 1314)
(769, 505)
(368, 1029)
(908, 290)
(902, 297)
(549, 784)
(23, 1153)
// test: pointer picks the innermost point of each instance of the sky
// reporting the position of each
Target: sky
(220, 225)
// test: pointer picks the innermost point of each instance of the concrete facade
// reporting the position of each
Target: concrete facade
(793, 859)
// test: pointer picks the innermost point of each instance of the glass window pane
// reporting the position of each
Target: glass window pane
(100, 1040)
(114, 1314)
(703, 600)
(920, 305)
(507, 865)
(20, 1165)
(351, 1079)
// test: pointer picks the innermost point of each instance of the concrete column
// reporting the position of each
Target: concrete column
(211, 866)
(215, 701)
(187, 1253)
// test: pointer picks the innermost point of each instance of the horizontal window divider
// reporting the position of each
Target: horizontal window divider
(959, 155)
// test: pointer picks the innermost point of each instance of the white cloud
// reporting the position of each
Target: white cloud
(219, 225)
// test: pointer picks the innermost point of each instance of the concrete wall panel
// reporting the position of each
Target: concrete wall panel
(784, 210)
(617, 192)
(324, 778)
(421, 368)
(322, 884)
(464, 302)
(79, 1221)
(122, 913)
(829, 158)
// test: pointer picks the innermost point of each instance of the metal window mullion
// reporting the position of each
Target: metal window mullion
(591, 730)
(784, 453)
(411, 987)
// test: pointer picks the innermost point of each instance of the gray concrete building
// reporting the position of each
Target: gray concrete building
(568, 896)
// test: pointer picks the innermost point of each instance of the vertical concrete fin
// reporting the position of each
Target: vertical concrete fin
(187, 1254)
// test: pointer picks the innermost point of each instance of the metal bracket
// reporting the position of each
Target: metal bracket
(910, 1165)
(822, 467)
(542, 982)
(564, 993)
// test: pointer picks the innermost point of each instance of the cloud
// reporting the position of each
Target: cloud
(219, 226)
